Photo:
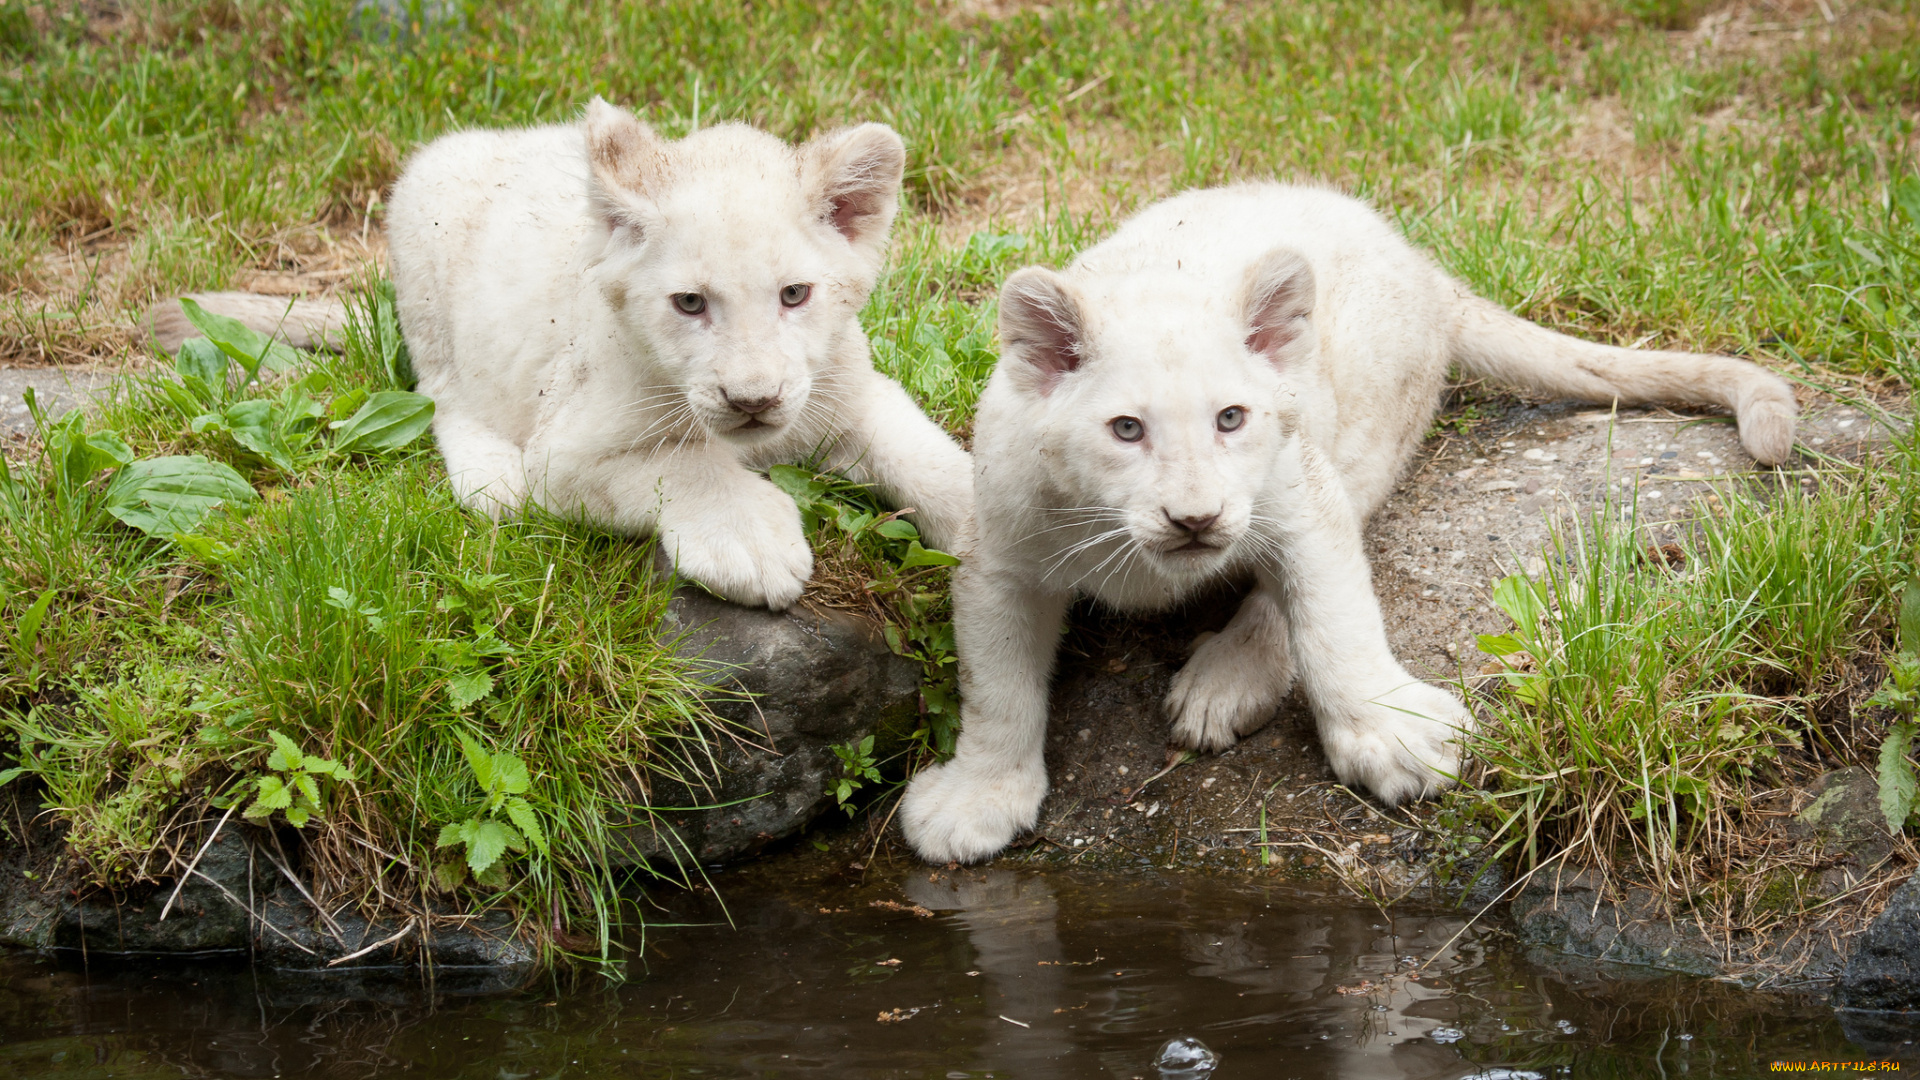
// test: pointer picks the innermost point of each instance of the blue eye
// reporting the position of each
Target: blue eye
(1127, 428)
(795, 295)
(1230, 418)
(690, 303)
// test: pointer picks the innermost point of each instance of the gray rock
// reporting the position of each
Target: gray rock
(1883, 973)
(1845, 820)
(57, 389)
(793, 684)
(1573, 912)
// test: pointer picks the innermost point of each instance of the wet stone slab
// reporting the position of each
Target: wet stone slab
(56, 389)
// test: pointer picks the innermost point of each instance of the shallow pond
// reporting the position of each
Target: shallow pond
(916, 973)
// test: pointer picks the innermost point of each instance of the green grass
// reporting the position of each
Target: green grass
(1594, 164)
(1747, 202)
(360, 612)
(1647, 699)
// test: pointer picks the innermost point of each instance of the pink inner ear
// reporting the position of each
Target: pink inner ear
(1269, 340)
(848, 209)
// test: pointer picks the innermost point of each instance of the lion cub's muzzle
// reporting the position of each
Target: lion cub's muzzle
(749, 413)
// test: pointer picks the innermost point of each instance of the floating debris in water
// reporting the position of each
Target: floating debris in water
(1185, 1057)
(1445, 1035)
(1503, 1073)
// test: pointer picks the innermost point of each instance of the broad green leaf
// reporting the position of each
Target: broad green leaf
(27, 634)
(326, 767)
(478, 760)
(167, 495)
(798, 483)
(486, 842)
(1499, 644)
(309, 789)
(451, 874)
(250, 347)
(451, 834)
(256, 425)
(345, 405)
(1910, 607)
(1519, 597)
(274, 795)
(109, 448)
(1896, 774)
(202, 367)
(1906, 198)
(388, 421)
(510, 774)
(286, 754)
(468, 687)
(8, 776)
(922, 556)
(897, 529)
(524, 816)
(297, 816)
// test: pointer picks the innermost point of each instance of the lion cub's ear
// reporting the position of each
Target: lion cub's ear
(628, 162)
(1042, 327)
(853, 177)
(1277, 307)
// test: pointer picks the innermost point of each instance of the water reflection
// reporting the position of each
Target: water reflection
(964, 974)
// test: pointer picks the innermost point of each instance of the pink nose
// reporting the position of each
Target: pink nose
(1194, 525)
(752, 406)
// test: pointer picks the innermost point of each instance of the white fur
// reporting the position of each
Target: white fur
(1309, 312)
(536, 271)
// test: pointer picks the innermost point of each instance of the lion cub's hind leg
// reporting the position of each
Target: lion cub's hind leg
(486, 471)
(1236, 678)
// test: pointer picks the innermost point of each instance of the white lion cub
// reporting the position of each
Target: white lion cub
(625, 328)
(1230, 385)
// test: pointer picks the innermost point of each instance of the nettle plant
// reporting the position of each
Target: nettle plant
(504, 783)
(291, 784)
(1900, 694)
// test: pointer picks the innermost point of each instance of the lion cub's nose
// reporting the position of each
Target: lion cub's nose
(751, 406)
(1195, 525)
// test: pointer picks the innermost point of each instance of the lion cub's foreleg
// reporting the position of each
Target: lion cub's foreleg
(1007, 631)
(723, 525)
(1381, 728)
(1236, 679)
(889, 442)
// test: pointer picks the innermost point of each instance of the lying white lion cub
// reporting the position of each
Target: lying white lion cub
(628, 329)
(1230, 384)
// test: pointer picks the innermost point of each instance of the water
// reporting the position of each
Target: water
(921, 974)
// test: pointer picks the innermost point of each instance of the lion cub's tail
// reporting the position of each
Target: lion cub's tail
(303, 324)
(1494, 343)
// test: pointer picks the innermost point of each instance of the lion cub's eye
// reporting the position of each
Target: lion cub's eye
(1127, 428)
(795, 295)
(690, 303)
(1230, 418)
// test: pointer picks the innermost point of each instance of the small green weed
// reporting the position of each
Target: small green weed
(504, 782)
(857, 770)
(291, 784)
(1900, 694)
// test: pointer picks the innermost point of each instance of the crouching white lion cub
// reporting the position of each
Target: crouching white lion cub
(1230, 385)
(627, 329)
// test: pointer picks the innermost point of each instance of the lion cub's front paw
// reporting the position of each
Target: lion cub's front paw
(960, 813)
(1230, 687)
(754, 555)
(1402, 744)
